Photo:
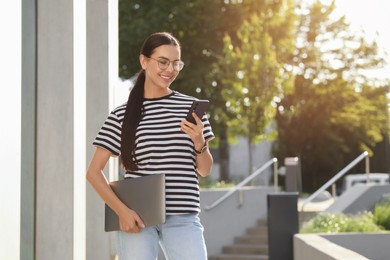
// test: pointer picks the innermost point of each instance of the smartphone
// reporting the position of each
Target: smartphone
(199, 107)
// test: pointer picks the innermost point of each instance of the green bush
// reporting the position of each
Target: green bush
(338, 223)
(363, 222)
(382, 214)
(208, 183)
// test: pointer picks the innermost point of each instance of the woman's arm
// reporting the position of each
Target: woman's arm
(204, 160)
(128, 219)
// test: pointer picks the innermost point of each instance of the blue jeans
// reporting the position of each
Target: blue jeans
(180, 237)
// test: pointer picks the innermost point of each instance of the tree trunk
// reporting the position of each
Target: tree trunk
(223, 155)
(250, 159)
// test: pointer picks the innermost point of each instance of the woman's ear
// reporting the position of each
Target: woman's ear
(143, 61)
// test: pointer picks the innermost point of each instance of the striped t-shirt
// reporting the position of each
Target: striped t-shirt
(161, 147)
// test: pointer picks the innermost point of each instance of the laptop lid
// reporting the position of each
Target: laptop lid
(145, 195)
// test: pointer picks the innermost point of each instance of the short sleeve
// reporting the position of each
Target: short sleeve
(207, 131)
(109, 135)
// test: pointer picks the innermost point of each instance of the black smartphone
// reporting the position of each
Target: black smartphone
(199, 107)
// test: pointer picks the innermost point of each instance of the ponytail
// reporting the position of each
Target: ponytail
(133, 112)
(130, 123)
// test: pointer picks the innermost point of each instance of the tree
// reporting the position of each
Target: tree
(200, 26)
(334, 112)
(256, 72)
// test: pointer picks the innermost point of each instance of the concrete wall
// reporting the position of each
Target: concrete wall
(98, 82)
(54, 172)
(359, 198)
(28, 135)
(233, 216)
(312, 246)
(371, 245)
(239, 164)
(343, 246)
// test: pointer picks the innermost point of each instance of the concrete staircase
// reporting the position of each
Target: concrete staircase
(253, 245)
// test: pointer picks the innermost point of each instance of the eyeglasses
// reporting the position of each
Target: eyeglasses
(164, 63)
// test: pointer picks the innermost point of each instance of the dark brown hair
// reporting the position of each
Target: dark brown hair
(133, 112)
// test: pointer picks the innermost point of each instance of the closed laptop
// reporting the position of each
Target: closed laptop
(145, 195)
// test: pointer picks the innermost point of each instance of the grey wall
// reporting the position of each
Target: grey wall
(314, 246)
(231, 217)
(371, 245)
(54, 197)
(98, 242)
(239, 162)
(28, 134)
(355, 246)
(359, 198)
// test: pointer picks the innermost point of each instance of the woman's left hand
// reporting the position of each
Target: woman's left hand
(195, 131)
(204, 161)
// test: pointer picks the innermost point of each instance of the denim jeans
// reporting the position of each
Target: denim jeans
(180, 237)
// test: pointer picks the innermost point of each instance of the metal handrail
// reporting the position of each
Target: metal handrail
(242, 183)
(335, 178)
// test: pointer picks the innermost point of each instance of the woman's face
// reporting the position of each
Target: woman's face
(159, 78)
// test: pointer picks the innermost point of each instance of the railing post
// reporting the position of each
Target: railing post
(367, 162)
(276, 174)
(334, 190)
(293, 177)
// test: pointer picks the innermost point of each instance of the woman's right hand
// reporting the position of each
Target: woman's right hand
(130, 221)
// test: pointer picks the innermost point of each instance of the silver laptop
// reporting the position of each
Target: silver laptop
(145, 195)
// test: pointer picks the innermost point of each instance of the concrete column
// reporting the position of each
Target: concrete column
(60, 108)
(48, 141)
(102, 52)
(28, 135)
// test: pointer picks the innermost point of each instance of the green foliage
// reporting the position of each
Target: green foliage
(208, 183)
(199, 25)
(334, 113)
(250, 73)
(338, 223)
(259, 60)
(250, 70)
(257, 79)
(382, 214)
(366, 221)
(261, 29)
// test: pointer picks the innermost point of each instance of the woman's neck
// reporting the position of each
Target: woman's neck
(148, 93)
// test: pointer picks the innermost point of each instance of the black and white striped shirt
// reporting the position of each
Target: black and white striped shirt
(161, 147)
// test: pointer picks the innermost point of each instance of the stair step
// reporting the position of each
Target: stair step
(262, 223)
(257, 231)
(252, 240)
(238, 257)
(251, 246)
(246, 249)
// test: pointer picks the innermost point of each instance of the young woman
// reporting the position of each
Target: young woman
(151, 135)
